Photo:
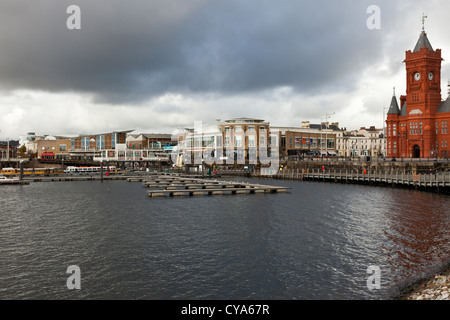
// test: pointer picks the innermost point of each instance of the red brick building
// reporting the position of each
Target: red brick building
(418, 128)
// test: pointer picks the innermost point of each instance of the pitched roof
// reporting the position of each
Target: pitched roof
(423, 42)
(403, 111)
(393, 108)
(444, 106)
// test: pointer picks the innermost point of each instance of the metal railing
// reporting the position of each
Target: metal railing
(375, 159)
(436, 179)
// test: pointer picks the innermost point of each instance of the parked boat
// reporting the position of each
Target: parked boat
(6, 179)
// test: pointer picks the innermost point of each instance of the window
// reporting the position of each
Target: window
(444, 126)
(85, 143)
(238, 141)
(395, 147)
(240, 154)
(101, 141)
(208, 141)
(330, 143)
(273, 140)
(262, 141)
(62, 147)
(251, 128)
(238, 129)
(251, 141)
(420, 127)
(198, 142)
(113, 140)
(437, 127)
(227, 141)
(394, 129)
(413, 128)
(219, 141)
(297, 143)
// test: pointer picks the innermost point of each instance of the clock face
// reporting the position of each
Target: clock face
(430, 76)
(417, 76)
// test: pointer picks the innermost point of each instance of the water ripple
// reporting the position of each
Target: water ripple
(314, 242)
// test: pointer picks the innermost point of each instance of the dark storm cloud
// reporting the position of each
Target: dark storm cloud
(128, 51)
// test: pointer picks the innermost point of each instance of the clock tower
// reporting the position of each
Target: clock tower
(411, 128)
(423, 77)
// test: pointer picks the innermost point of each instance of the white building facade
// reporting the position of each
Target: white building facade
(365, 142)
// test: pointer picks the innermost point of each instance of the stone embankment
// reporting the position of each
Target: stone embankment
(437, 288)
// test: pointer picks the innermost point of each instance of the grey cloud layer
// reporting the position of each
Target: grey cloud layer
(129, 51)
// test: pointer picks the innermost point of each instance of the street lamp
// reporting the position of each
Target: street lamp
(327, 115)
(7, 141)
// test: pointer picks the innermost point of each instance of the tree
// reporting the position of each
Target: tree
(21, 152)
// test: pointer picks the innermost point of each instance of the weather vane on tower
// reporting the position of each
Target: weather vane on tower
(423, 21)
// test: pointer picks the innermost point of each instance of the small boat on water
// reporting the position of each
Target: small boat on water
(8, 180)
(3, 178)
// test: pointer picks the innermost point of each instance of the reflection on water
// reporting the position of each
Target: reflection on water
(418, 231)
(314, 242)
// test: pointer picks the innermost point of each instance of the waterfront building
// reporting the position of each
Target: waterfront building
(152, 141)
(48, 147)
(51, 148)
(309, 139)
(244, 138)
(362, 143)
(72, 147)
(111, 146)
(140, 148)
(87, 146)
(233, 141)
(200, 143)
(417, 127)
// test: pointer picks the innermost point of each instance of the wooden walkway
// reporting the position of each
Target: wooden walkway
(173, 186)
(397, 178)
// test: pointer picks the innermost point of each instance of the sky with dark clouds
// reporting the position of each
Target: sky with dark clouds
(157, 65)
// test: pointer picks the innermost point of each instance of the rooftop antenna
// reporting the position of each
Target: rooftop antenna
(423, 21)
(394, 91)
